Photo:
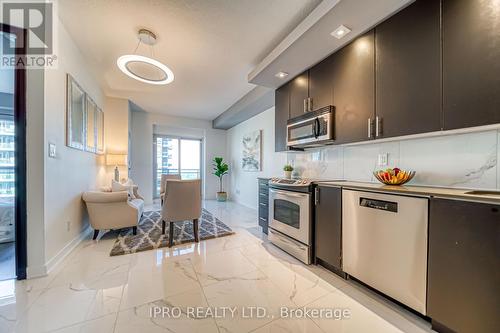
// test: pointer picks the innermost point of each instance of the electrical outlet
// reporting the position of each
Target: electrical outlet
(383, 159)
(68, 225)
(52, 150)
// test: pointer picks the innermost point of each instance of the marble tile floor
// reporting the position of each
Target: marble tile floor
(7, 261)
(93, 292)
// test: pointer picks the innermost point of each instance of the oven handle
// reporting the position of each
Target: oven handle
(288, 194)
(284, 240)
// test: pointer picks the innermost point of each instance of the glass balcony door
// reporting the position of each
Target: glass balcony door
(176, 155)
(12, 159)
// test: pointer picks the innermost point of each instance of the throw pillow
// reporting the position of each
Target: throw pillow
(118, 187)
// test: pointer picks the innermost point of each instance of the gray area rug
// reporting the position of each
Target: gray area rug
(149, 234)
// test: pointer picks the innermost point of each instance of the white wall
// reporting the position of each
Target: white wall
(56, 201)
(35, 171)
(143, 125)
(243, 186)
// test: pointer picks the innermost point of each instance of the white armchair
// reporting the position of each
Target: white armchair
(112, 210)
(163, 184)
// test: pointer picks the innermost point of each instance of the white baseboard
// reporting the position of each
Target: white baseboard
(52, 263)
(36, 271)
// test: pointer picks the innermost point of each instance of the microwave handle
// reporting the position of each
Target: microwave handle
(316, 128)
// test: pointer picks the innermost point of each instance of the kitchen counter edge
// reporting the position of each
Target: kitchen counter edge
(425, 191)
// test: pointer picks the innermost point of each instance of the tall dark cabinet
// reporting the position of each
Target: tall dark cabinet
(432, 66)
(281, 115)
(354, 89)
(464, 258)
(328, 227)
(471, 63)
(321, 84)
(299, 93)
(408, 71)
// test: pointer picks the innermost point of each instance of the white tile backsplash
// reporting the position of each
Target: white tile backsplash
(314, 163)
(498, 159)
(466, 160)
(461, 160)
(361, 161)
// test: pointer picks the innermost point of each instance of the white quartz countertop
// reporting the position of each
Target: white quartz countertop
(451, 193)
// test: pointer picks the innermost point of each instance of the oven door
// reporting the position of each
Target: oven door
(290, 213)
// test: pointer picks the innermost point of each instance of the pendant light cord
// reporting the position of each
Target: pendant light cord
(138, 43)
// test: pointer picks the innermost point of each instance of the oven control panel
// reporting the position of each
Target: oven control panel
(290, 182)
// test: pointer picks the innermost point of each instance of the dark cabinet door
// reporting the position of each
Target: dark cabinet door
(354, 89)
(263, 202)
(299, 92)
(471, 63)
(328, 227)
(464, 257)
(408, 71)
(321, 84)
(281, 115)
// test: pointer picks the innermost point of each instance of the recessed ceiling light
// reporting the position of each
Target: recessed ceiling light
(142, 68)
(340, 32)
(281, 75)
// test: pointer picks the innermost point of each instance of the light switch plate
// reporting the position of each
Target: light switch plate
(52, 150)
(383, 159)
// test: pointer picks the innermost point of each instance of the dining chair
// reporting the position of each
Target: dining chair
(182, 202)
(163, 183)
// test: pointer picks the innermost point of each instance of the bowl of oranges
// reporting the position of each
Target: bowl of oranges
(394, 176)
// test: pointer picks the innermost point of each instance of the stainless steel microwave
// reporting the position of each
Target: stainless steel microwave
(311, 129)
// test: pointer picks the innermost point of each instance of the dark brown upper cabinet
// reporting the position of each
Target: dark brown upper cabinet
(281, 115)
(408, 71)
(299, 93)
(471, 63)
(321, 85)
(354, 89)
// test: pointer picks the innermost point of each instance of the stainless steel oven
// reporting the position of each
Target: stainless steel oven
(311, 129)
(290, 217)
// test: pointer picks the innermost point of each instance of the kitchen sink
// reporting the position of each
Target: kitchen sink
(482, 192)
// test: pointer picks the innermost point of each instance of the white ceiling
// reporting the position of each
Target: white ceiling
(310, 41)
(211, 46)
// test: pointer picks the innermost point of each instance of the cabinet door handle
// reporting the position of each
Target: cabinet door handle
(305, 105)
(316, 196)
(369, 128)
(378, 126)
(310, 104)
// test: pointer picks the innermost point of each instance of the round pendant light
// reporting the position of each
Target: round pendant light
(142, 68)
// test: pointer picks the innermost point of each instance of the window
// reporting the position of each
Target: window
(174, 155)
(7, 152)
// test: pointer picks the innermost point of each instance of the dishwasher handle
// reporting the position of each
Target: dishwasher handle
(387, 206)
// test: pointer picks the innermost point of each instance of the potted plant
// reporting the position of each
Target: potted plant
(220, 169)
(288, 171)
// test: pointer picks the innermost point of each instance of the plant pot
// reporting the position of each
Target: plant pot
(288, 174)
(222, 196)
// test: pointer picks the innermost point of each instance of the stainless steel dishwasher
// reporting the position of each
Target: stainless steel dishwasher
(384, 244)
